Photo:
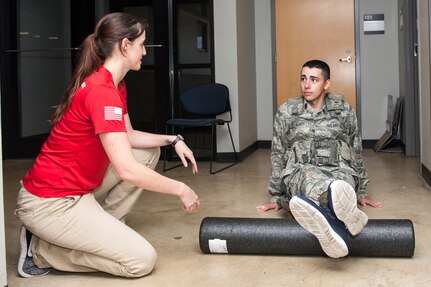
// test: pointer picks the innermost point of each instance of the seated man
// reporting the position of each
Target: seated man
(317, 170)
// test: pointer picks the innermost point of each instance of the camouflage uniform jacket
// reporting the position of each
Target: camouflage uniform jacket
(300, 133)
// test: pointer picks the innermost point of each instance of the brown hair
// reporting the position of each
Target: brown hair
(109, 31)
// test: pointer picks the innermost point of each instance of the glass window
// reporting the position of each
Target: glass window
(44, 60)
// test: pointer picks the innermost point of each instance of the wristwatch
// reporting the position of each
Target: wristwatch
(177, 139)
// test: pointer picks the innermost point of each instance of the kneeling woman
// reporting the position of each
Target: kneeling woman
(91, 170)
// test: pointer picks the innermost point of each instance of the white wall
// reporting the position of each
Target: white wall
(225, 54)
(424, 27)
(264, 69)
(247, 102)
(235, 66)
(379, 67)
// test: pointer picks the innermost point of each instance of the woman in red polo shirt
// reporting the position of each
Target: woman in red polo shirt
(94, 165)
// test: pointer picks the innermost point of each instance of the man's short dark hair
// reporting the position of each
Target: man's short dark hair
(319, 65)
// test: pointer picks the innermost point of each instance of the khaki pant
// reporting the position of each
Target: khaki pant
(87, 233)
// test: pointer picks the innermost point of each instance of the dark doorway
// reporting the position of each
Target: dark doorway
(38, 42)
(179, 56)
(148, 89)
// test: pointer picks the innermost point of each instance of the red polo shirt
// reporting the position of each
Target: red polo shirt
(72, 160)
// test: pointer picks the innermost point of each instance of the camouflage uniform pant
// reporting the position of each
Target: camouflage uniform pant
(313, 182)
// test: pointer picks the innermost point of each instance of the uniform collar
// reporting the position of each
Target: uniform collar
(324, 108)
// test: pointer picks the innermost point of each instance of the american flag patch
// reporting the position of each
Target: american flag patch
(113, 113)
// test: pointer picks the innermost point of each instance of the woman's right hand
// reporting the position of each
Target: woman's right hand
(184, 152)
(189, 199)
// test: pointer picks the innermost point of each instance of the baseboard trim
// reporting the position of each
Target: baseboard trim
(264, 144)
(426, 174)
(225, 157)
(368, 143)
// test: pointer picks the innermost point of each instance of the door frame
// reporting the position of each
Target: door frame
(409, 79)
(358, 65)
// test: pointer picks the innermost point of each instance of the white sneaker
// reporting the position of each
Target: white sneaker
(26, 266)
(342, 201)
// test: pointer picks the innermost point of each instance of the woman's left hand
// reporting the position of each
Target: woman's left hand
(185, 153)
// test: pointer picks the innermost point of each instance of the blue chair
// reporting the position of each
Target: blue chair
(203, 103)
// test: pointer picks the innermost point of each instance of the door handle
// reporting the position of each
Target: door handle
(153, 46)
(347, 59)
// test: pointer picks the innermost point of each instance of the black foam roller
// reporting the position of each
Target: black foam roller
(279, 236)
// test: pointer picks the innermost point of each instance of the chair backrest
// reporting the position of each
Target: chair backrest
(206, 100)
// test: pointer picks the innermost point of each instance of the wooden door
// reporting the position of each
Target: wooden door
(309, 29)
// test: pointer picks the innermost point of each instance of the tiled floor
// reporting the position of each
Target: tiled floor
(236, 192)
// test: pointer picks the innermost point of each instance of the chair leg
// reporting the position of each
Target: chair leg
(213, 132)
(212, 152)
(165, 151)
